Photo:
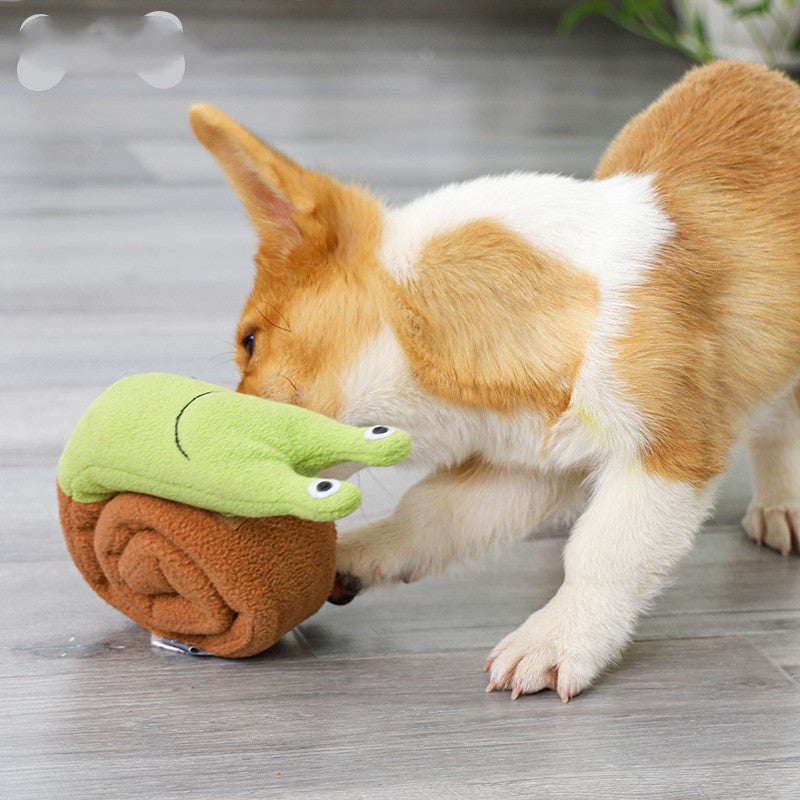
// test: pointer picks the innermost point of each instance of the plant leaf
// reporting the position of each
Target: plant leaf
(586, 8)
(754, 10)
(699, 29)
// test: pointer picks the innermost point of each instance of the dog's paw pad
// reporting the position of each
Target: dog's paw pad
(345, 588)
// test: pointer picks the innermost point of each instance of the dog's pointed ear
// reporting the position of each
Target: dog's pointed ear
(273, 188)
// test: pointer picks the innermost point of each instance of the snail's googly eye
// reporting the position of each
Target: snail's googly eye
(378, 432)
(324, 488)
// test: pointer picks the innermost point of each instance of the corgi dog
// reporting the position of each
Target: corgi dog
(587, 350)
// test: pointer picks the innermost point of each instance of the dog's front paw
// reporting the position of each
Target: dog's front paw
(776, 527)
(369, 555)
(361, 555)
(555, 648)
(345, 589)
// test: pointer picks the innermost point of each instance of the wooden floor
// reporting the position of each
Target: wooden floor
(121, 250)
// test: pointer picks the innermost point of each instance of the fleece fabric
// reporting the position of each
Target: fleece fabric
(206, 446)
(229, 586)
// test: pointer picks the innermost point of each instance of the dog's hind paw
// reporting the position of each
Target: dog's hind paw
(777, 527)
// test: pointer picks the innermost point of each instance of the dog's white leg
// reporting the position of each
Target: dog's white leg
(450, 516)
(773, 517)
(634, 530)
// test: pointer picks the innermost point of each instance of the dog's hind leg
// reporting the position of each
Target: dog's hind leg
(773, 517)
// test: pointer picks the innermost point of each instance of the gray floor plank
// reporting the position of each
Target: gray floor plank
(393, 721)
(783, 649)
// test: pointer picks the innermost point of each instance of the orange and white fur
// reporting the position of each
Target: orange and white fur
(558, 348)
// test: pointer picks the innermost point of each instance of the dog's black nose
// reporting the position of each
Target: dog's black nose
(345, 588)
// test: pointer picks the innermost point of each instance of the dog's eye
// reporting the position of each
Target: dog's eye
(378, 432)
(249, 343)
(324, 488)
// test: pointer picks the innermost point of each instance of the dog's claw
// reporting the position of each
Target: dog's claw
(491, 687)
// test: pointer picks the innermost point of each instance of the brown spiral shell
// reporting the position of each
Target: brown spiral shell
(230, 586)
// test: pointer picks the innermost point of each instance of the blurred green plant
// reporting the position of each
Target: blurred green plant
(684, 27)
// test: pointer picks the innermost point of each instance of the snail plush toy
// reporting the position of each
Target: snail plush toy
(194, 509)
